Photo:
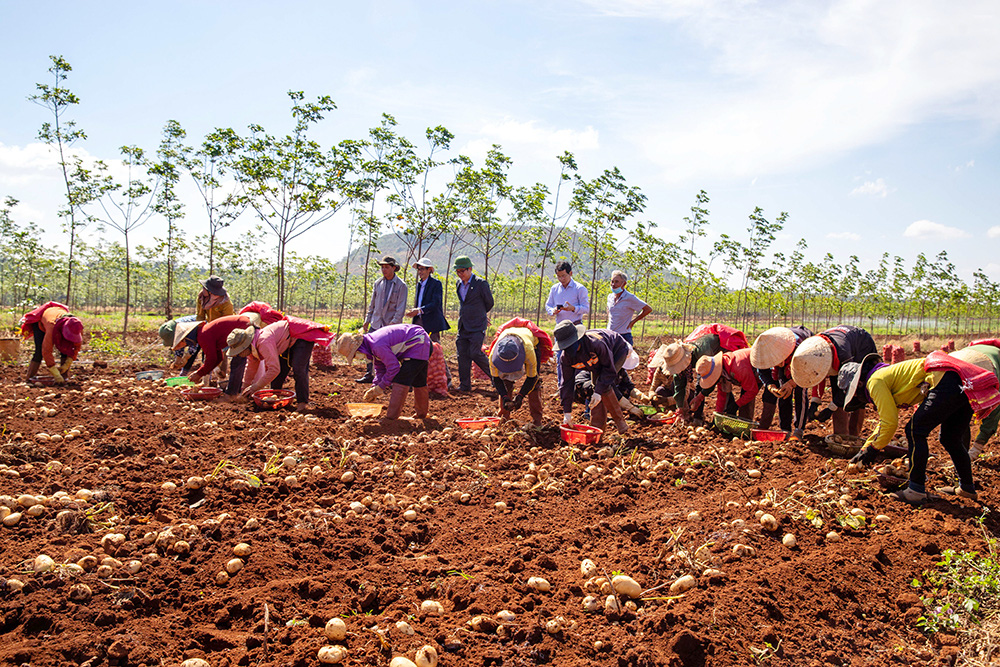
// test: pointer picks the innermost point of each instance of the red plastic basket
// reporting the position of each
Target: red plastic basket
(273, 398)
(580, 434)
(44, 380)
(772, 436)
(477, 422)
(661, 419)
(201, 393)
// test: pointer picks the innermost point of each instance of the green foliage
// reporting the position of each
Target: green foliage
(103, 342)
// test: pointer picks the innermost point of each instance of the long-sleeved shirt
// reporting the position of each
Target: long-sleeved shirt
(892, 386)
(274, 340)
(603, 351)
(575, 295)
(708, 344)
(737, 369)
(388, 303)
(387, 346)
(212, 339)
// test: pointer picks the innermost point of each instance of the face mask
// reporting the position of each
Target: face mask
(617, 290)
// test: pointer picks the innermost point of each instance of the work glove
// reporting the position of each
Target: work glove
(824, 414)
(64, 366)
(594, 400)
(518, 401)
(627, 406)
(508, 404)
(622, 426)
(866, 456)
(374, 393)
(568, 418)
(54, 370)
(811, 410)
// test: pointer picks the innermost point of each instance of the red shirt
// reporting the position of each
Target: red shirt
(212, 339)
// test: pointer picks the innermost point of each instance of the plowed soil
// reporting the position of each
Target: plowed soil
(354, 519)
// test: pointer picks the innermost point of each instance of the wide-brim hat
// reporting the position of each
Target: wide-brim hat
(849, 379)
(72, 329)
(567, 334)
(678, 357)
(772, 347)
(423, 263)
(975, 357)
(239, 340)
(182, 330)
(462, 262)
(811, 362)
(508, 354)
(389, 260)
(709, 370)
(348, 344)
(659, 359)
(214, 286)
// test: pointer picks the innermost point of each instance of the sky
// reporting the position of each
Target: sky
(873, 124)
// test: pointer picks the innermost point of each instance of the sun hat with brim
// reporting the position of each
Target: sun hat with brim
(390, 261)
(568, 334)
(659, 359)
(850, 377)
(678, 357)
(508, 354)
(423, 263)
(72, 329)
(166, 332)
(239, 340)
(772, 347)
(811, 362)
(462, 262)
(348, 344)
(214, 286)
(709, 370)
(182, 330)
(974, 357)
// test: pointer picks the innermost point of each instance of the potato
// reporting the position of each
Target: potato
(331, 655)
(769, 522)
(588, 568)
(431, 608)
(627, 586)
(43, 563)
(427, 656)
(336, 629)
(685, 583)
(788, 540)
(539, 584)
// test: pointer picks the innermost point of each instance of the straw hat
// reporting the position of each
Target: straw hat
(678, 357)
(182, 330)
(974, 357)
(772, 347)
(239, 340)
(709, 370)
(811, 362)
(659, 359)
(348, 344)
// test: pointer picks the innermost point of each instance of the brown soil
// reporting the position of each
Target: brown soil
(626, 504)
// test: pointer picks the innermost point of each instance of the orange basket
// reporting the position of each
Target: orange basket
(580, 434)
(273, 399)
(761, 435)
(201, 393)
(44, 380)
(661, 419)
(364, 409)
(477, 422)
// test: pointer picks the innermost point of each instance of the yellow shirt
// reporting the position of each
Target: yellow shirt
(891, 387)
(529, 341)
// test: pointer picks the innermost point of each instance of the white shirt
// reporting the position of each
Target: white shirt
(575, 295)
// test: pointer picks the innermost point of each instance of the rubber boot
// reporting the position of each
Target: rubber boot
(421, 402)
(766, 415)
(33, 367)
(841, 422)
(396, 398)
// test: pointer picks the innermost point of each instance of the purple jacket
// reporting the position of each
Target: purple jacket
(389, 345)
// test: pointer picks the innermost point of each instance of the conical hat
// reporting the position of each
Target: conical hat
(772, 347)
(678, 357)
(182, 330)
(811, 362)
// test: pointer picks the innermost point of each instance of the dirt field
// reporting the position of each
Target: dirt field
(349, 519)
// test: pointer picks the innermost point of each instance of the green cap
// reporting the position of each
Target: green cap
(463, 262)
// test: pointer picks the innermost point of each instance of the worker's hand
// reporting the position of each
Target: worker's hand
(594, 400)
(64, 366)
(568, 418)
(503, 413)
(622, 426)
(518, 401)
(195, 377)
(866, 456)
(373, 393)
(54, 370)
(824, 414)
(786, 389)
(811, 410)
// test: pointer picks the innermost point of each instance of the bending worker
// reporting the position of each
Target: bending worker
(399, 355)
(53, 327)
(948, 391)
(601, 351)
(518, 349)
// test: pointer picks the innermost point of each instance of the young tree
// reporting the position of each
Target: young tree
(62, 134)
(171, 156)
(547, 238)
(693, 266)
(292, 183)
(603, 205)
(480, 194)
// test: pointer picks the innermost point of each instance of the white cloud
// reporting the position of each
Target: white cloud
(529, 138)
(926, 229)
(962, 167)
(876, 188)
(993, 232)
(992, 270)
(844, 236)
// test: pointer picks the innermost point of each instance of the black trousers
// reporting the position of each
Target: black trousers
(945, 406)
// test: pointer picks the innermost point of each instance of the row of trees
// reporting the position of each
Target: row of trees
(385, 184)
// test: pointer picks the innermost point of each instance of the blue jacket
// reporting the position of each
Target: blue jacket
(473, 312)
(433, 316)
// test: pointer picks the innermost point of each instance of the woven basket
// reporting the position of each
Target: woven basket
(734, 426)
(844, 445)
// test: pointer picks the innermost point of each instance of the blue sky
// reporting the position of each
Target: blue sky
(873, 124)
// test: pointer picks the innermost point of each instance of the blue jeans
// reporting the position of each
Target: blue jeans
(628, 338)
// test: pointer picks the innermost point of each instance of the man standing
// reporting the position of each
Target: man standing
(387, 305)
(475, 302)
(568, 301)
